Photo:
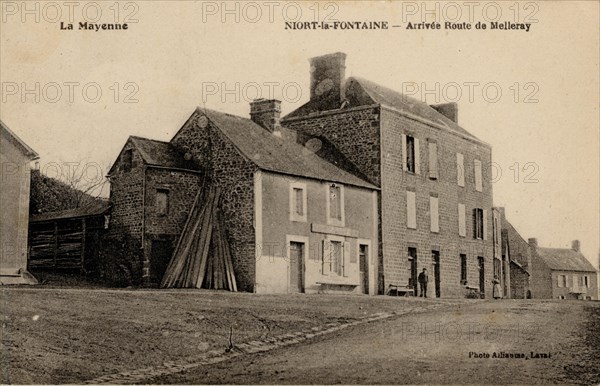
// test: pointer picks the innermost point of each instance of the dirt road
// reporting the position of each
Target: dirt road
(504, 342)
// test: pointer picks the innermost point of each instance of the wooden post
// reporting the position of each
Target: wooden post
(82, 244)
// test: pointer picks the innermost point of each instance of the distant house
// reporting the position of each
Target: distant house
(16, 157)
(561, 273)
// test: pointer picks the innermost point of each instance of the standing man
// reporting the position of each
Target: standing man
(423, 280)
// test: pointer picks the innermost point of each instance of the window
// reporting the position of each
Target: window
(411, 210)
(410, 154)
(127, 159)
(462, 220)
(586, 282)
(334, 252)
(562, 281)
(460, 169)
(478, 176)
(335, 204)
(561, 297)
(162, 201)
(433, 160)
(479, 224)
(298, 201)
(434, 214)
(463, 268)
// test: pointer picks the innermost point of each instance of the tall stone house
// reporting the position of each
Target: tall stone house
(434, 204)
(562, 273)
(16, 157)
(295, 221)
(512, 258)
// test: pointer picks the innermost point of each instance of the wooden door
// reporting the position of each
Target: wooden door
(296, 267)
(363, 257)
(481, 277)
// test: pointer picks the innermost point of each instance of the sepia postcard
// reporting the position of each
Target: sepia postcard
(300, 192)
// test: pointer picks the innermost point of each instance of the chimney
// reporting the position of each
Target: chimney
(576, 245)
(327, 75)
(266, 113)
(533, 243)
(449, 110)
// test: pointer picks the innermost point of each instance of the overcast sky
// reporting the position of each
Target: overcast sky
(180, 55)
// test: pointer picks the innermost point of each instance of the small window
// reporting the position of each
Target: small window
(410, 154)
(561, 297)
(127, 160)
(562, 281)
(478, 224)
(411, 210)
(463, 269)
(586, 282)
(478, 175)
(460, 169)
(298, 202)
(433, 160)
(162, 201)
(335, 204)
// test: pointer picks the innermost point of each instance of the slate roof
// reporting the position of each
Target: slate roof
(564, 259)
(25, 149)
(275, 154)
(160, 153)
(362, 92)
(94, 209)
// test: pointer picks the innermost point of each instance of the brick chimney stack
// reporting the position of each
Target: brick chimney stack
(449, 110)
(327, 76)
(533, 243)
(576, 245)
(266, 113)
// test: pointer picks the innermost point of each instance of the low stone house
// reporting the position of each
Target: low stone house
(295, 221)
(562, 273)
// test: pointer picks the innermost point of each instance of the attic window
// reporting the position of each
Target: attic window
(127, 159)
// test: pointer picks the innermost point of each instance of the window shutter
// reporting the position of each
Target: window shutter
(345, 258)
(462, 221)
(460, 169)
(433, 160)
(326, 259)
(404, 153)
(559, 281)
(478, 175)
(485, 228)
(417, 157)
(434, 214)
(411, 210)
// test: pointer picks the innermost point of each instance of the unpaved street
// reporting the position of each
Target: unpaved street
(506, 342)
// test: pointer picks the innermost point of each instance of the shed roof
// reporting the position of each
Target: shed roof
(564, 259)
(276, 154)
(98, 208)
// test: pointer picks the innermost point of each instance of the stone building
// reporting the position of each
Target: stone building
(295, 221)
(562, 273)
(435, 203)
(14, 194)
(512, 260)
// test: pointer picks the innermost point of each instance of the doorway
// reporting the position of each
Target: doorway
(481, 276)
(435, 257)
(412, 263)
(296, 267)
(363, 261)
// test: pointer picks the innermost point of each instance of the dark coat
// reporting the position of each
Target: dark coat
(423, 277)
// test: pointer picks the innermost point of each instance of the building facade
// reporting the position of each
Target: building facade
(561, 273)
(16, 157)
(435, 204)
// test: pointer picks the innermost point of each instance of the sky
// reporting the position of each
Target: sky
(534, 96)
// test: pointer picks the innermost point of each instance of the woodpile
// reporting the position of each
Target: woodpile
(202, 258)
